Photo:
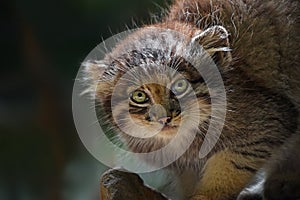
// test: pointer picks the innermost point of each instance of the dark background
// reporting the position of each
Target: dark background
(42, 46)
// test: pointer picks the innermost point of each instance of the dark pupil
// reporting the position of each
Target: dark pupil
(179, 84)
(140, 94)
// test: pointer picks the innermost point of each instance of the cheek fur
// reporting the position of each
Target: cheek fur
(190, 112)
(139, 119)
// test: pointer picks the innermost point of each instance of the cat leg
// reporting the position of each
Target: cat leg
(225, 175)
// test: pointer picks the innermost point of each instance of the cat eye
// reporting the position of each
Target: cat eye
(139, 96)
(180, 86)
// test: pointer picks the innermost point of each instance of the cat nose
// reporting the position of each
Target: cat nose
(164, 120)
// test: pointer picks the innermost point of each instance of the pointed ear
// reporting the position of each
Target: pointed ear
(93, 71)
(215, 40)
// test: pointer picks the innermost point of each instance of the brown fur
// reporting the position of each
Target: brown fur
(261, 76)
(260, 32)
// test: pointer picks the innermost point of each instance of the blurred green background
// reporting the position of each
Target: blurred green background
(42, 46)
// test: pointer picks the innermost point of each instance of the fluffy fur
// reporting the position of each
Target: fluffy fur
(255, 45)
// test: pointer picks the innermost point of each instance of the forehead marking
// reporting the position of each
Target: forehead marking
(156, 92)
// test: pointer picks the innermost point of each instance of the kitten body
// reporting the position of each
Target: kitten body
(255, 45)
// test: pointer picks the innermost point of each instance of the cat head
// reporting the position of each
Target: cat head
(157, 83)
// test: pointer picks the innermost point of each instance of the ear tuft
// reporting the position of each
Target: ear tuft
(92, 72)
(93, 69)
(215, 40)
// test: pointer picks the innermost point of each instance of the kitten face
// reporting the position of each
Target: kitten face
(159, 107)
(152, 89)
(153, 108)
(151, 104)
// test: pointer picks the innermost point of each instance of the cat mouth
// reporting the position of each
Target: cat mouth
(168, 127)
